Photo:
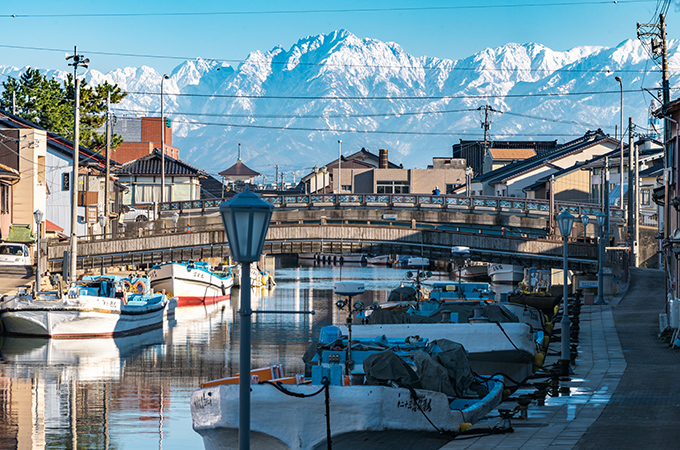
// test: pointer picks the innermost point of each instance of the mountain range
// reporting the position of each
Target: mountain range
(291, 106)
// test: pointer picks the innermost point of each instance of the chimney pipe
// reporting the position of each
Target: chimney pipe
(384, 163)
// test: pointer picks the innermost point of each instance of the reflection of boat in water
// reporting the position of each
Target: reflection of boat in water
(84, 359)
(396, 391)
(193, 283)
(100, 306)
(258, 278)
(505, 273)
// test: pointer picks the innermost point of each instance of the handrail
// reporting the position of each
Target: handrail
(420, 201)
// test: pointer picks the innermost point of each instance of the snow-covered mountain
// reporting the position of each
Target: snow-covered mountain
(290, 107)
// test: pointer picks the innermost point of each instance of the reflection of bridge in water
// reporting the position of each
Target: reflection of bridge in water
(504, 230)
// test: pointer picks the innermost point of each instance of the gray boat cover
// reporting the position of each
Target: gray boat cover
(403, 294)
(385, 367)
(443, 367)
(454, 359)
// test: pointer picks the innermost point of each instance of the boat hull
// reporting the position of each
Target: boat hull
(359, 415)
(191, 286)
(505, 273)
(84, 317)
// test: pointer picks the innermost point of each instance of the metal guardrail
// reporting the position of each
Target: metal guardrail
(445, 202)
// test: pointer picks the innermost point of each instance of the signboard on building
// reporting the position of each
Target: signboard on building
(587, 283)
(91, 216)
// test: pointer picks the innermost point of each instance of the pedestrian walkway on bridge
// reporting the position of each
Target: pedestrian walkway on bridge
(625, 391)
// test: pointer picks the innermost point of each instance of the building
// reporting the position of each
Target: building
(513, 179)
(141, 135)
(45, 161)
(322, 179)
(237, 176)
(475, 152)
(8, 179)
(142, 180)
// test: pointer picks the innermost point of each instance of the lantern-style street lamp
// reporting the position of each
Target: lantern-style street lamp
(246, 220)
(565, 222)
(584, 220)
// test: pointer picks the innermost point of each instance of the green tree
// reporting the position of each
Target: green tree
(49, 104)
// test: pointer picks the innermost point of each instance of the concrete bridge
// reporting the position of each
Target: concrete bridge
(498, 230)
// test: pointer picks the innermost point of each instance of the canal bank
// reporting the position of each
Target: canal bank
(623, 392)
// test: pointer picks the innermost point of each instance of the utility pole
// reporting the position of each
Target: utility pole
(108, 162)
(14, 103)
(339, 167)
(486, 124)
(276, 177)
(78, 61)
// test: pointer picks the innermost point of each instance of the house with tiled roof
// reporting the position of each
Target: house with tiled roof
(8, 179)
(496, 158)
(142, 178)
(474, 152)
(46, 166)
(512, 179)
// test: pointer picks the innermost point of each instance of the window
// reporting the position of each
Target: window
(4, 198)
(645, 197)
(65, 181)
(392, 187)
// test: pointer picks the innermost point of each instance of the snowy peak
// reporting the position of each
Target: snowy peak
(290, 106)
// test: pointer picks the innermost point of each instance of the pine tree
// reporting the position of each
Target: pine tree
(49, 104)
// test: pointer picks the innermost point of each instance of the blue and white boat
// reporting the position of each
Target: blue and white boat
(401, 390)
(95, 307)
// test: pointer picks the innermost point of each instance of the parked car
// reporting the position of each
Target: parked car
(15, 254)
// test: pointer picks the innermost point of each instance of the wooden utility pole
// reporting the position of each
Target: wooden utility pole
(108, 163)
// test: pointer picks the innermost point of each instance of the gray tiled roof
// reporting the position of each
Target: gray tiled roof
(151, 165)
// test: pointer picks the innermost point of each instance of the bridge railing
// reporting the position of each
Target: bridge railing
(444, 202)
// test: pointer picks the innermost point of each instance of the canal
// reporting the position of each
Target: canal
(133, 393)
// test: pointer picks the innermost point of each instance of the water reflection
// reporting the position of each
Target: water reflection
(134, 392)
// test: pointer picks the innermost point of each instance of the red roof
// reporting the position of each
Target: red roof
(51, 226)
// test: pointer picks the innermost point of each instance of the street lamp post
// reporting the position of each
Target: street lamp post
(38, 217)
(565, 222)
(601, 219)
(316, 173)
(246, 220)
(102, 224)
(621, 145)
(584, 220)
(339, 167)
(165, 77)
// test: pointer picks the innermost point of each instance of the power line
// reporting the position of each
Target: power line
(326, 11)
(326, 64)
(391, 98)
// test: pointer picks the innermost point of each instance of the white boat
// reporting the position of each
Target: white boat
(475, 272)
(360, 415)
(14, 254)
(505, 273)
(192, 283)
(381, 260)
(96, 307)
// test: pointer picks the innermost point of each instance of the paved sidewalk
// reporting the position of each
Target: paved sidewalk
(615, 401)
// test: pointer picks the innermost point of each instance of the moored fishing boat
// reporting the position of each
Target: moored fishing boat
(102, 306)
(378, 398)
(193, 283)
(505, 273)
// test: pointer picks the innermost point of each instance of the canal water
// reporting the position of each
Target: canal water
(133, 393)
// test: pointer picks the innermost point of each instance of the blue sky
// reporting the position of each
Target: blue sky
(229, 30)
